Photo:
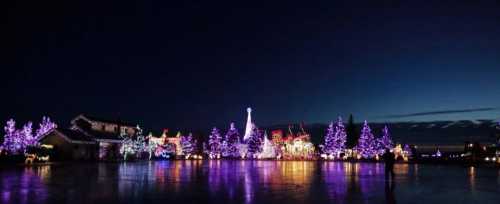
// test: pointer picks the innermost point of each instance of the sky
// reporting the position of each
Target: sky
(198, 64)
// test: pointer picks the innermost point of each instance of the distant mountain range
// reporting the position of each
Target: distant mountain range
(437, 132)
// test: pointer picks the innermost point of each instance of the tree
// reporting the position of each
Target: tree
(231, 143)
(13, 142)
(498, 133)
(340, 137)
(134, 146)
(329, 146)
(140, 143)
(27, 132)
(44, 127)
(268, 149)
(254, 143)
(352, 135)
(366, 144)
(17, 141)
(408, 151)
(188, 145)
(127, 147)
(384, 142)
(214, 143)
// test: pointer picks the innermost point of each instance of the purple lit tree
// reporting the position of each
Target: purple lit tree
(27, 134)
(17, 141)
(231, 143)
(44, 127)
(188, 145)
(12, 141)
(340, 137)
(254, 143)
(384, 142)
(407, 150)
(366, 144)
(214, 143)
(329, 146)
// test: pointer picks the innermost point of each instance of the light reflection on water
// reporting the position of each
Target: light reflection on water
(246, 182)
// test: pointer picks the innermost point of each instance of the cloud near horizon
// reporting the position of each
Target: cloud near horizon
(442, 112)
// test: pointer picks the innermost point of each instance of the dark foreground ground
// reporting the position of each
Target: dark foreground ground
(223, 182)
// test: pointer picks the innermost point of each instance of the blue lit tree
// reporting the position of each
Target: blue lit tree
(188, 145)
(214, 143)
(384, 142)
(231, 143)
(340, 138)
(366, 143)
(254, 143)
(329, 145)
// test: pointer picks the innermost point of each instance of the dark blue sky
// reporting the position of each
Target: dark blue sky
(198, 64)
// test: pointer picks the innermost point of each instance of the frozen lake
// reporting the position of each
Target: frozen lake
(223, 182)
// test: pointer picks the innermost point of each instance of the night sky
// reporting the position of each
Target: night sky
(194, 64)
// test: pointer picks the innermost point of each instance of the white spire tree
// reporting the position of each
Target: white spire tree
(249, 125)
(268, 149)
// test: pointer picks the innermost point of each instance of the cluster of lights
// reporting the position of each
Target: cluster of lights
(492, 159)
(17, 141)
(193, 156)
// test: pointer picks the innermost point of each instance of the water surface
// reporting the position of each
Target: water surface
(224, 182)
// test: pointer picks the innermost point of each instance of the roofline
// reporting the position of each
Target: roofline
(108, 140)
(82, 116)
(66, 138)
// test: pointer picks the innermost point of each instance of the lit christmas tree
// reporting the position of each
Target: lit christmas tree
(231, 143)
(214, 144)
(127, 147)
(27, 135)
(328, 147)
(340, 138)
(187, 145)
(407, 151)
(140, 144)
(268, 149)
(385, 142)
(254, 143)
(13, 142)
(134, 146)
(366, 144)
(44, 127)
(151, 146)
(223, 148)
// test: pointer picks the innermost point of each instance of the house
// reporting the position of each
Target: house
(69, 144)
(176, 141)
(89, 138)
(108, 134)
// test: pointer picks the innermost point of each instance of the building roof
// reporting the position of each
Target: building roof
(75, 135)
(103, 120)
(101, 135)
(72, 136)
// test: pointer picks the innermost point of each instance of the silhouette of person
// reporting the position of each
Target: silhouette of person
(389, 159)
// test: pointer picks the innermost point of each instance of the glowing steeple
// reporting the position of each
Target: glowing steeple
(249, 126)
